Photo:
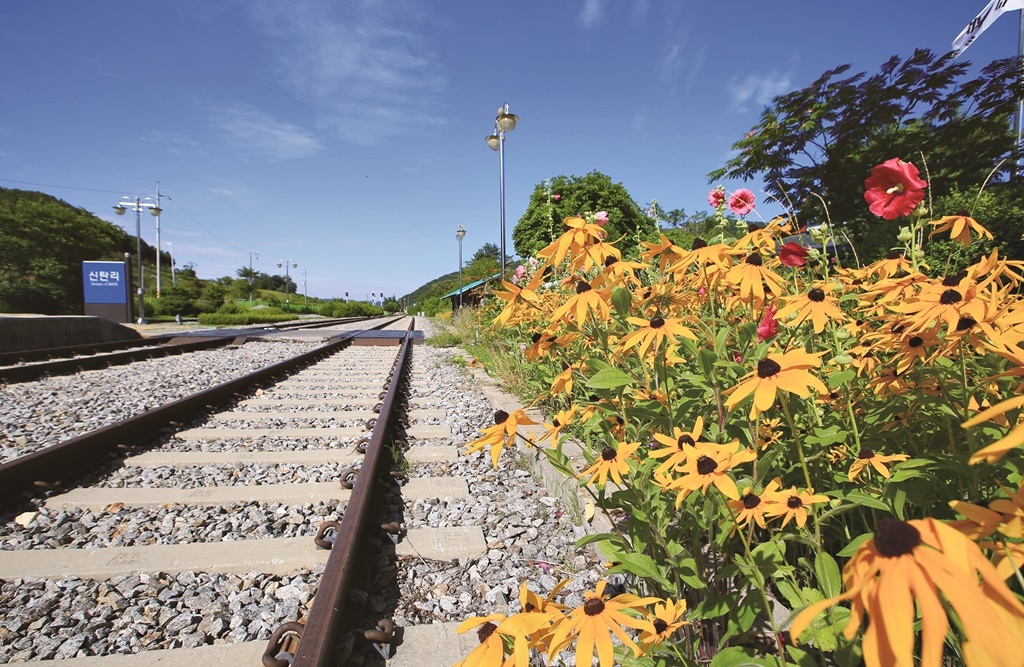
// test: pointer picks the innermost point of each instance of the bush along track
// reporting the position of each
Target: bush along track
(809, 461)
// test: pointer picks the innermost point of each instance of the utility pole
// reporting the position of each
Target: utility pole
(251, 253)
(157, 211)
(305, 292)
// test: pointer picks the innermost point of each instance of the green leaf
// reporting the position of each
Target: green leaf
(826, 437)
(738, 656)
(800, 657)
(827, 571)
(840, 378)
(609, 378)
(714, 606)
(707, 358)
(854, 544)
(596, 537)
(862, 498)
(621, 300)
(641, 565)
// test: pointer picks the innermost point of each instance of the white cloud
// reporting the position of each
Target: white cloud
(758, 89)
(252, 131)
(362, 66)
(591, 13)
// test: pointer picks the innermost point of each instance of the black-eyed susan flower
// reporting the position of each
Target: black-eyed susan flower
(750, 506)
(1007, 557)
(960, 227)
(1013, 439)
(491, 651)
(664, 250)
(593, 623)
(708, 464)
(916, 569)
(792, 504)
(586, 300)
(869, 457)
(674, 451)
(978, 522)
(788, 372)
(553, 431)
(517, 297)
(501, 434)
(579, 232)
(653, 333)
(613, 462)
(938, 302)
(666, 619)
(754, 280)
(817, 305)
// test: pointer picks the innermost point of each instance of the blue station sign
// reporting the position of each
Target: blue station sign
(105, 282)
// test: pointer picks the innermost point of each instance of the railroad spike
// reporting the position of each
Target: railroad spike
(275, 655)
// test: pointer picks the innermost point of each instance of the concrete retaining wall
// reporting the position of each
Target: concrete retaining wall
(32, 332)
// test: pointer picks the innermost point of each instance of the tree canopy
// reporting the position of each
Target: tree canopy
(43, 242)
(824, 139)
(567, 196)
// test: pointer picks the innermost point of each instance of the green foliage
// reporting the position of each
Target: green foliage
(444, 339)
(263, 316)
(999, 208)
(350, 309)
(568, 196)
(43, 242)
(825, 139)
(391, 306)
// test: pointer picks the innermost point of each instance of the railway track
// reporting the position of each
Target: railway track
(202, 549)
(30, 364)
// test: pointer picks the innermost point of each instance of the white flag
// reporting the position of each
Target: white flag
(982, 21)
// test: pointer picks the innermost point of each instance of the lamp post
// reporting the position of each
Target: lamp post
(126, 204)
(460, 234)
(504, 122)
(156, 210)
(286, 263)
(170, 249)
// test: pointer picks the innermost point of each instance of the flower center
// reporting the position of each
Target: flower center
(556, 423)
(582, 286)
(536, 338)
(751, 500)
(609, 260)
(866, 453)
(895, 254)
(500, 416)
(896, 538)
(593, 607)
(950, 297)
(698, 244)
(898, 328)
(685, 439)
(657, 322)
(794, 502)
(660, 626)
(706, 465)
(767, 368)
(485, 631)
(916, 341)
(895, 190)
(608, 454)
(817, 295)
(755, 259)
(965, 323)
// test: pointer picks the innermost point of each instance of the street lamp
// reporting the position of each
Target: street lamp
(128, 204)
(170, 249)
(286, 263)
(460, 234)
(504, 122)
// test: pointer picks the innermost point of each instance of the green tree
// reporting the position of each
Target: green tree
(823, 140)
(43, 242)
(566, 196)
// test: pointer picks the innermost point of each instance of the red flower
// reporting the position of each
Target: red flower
(742, 201)
(716, 197)
(793, 254)
(894, 189)
(769, 326)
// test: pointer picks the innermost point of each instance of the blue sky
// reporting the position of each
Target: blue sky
(348, 135)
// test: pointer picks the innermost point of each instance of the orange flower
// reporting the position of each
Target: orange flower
(877, 461)
(1014, 438)
(816, 305)
(792, 504)
(753, 277)
(959, 227)
(709, 464)
(653, 333)
(667, 618)
(614, 462)
(751, 506)
(917, 562)
(501, 434)
(586, 300)
(786, 372)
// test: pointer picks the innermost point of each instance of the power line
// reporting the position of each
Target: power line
(61, 187)
(203, 227)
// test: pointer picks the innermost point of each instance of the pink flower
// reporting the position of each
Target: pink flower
(601, 217)
(556, 197)
(894, 189)
(522, 347)
(520, 271)
(793, 254)
(742, 201)
(515, 280)
(716, 197)
(544, 567)
(769, 326)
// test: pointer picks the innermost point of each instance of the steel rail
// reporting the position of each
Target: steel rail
(42, 354)
(61, 366)
(327, 616)
(59, 463)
